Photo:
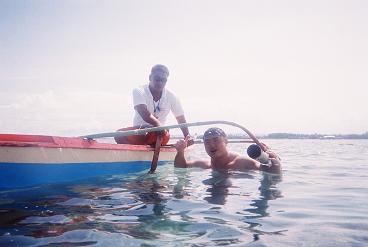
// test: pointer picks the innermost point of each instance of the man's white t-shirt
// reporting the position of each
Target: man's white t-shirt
(142, 96)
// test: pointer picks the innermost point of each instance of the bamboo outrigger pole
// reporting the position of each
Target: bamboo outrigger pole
(153, 129)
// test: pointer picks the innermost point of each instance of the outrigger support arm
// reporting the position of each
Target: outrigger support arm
(153, 129)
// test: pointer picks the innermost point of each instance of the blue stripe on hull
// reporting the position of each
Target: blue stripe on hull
(24, 175)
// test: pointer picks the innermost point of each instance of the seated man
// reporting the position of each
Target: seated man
(215, 143)
(152, 104)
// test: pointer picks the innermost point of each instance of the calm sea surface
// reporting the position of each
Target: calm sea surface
(321, 199)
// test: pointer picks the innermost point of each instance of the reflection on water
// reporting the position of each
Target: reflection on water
(160, 208)
(194, 207)
(219, 186)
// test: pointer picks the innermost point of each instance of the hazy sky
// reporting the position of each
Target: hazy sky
(68, 67)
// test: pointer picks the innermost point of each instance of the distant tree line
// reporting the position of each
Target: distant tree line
(314, 136)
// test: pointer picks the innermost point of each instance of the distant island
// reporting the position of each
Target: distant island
(304, 136)
(298, 136)
(314, 136)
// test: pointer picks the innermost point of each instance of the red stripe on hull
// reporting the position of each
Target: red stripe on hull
(68, 142)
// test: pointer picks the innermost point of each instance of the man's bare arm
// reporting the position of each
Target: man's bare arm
(146, 115)
(181, 119)
(182, 162)
(245, 163)
(275, 166)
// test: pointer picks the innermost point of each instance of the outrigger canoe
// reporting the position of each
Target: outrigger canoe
(27, 160)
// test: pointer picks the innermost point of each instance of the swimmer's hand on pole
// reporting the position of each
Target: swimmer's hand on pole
(181, 144)
(189, 140)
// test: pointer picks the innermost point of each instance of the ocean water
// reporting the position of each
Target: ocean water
(320, 199)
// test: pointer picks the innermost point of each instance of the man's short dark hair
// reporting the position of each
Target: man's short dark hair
(213, 132)
(160, 68)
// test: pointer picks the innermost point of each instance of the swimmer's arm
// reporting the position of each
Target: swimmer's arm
(275, 166)
(245, 163)
(182, 162)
